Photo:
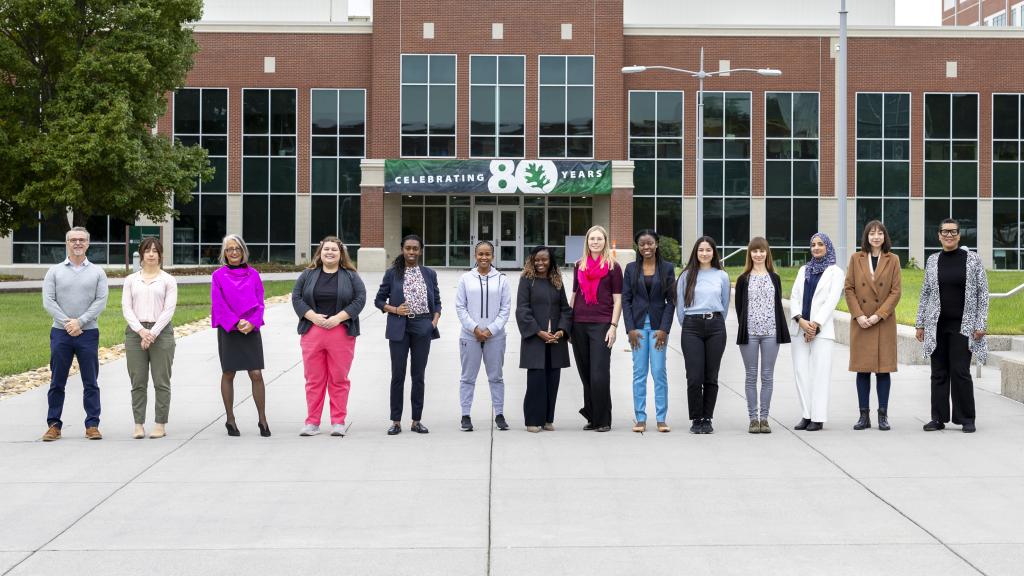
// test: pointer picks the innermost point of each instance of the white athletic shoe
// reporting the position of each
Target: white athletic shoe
(337, 430)
(309, 430)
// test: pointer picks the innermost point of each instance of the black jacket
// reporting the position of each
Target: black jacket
(351, 298)
(659, 304)
(781, 327)
(537, 304)
(392, 291)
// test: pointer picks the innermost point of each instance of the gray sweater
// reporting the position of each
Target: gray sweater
(483, 302)
(80, 294)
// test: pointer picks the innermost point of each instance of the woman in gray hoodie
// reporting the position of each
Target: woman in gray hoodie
(483, 303)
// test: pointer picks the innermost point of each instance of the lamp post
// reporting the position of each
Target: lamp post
(700, 75)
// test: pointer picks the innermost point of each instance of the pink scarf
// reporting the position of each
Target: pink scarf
(590, 278)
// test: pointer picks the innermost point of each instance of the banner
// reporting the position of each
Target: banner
(560, 177)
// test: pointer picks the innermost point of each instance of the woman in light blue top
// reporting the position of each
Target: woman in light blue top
(702, 303)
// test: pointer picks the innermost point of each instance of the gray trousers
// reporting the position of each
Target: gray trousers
(767, 348)
(493, 355)
(156, 360)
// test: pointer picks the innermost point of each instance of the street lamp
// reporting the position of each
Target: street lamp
(700, 75)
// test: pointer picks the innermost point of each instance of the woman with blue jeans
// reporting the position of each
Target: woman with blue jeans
(762, 328)
(647, 307)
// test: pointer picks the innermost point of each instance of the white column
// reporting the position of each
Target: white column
(689, 215)
(303, 203)
(985, 222)
(917, 230)
(757, 216)
(7, 250)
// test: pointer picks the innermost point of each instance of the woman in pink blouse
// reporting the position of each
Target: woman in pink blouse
(147, 303)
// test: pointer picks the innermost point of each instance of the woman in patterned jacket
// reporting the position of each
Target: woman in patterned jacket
(951, 321)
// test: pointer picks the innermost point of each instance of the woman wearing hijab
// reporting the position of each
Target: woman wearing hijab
(816, 292)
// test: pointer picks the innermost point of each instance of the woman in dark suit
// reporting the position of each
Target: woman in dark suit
(648, 303)
(545, 319)
(410, 297)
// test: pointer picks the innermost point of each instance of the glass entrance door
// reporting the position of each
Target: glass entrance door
(499, 225)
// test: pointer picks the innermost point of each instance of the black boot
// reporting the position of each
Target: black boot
(865, 420)
(883, 419)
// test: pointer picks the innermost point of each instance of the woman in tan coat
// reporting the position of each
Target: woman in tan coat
(872, 292)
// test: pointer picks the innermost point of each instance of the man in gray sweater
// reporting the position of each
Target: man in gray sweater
(74, 293)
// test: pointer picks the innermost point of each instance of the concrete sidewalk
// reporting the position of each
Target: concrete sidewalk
(488, 502)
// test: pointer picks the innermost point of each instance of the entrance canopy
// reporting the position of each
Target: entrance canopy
(552, 177)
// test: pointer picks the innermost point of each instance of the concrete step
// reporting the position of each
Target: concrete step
(1011, 373)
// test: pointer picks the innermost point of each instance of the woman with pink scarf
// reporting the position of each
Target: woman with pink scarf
(236, 299)
(597, 305)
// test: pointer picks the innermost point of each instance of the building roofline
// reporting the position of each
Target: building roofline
(853, 31)
(283, 27)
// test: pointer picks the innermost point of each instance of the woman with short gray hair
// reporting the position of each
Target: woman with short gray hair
(236, 298)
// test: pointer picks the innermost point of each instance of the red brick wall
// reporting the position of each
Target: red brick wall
(968, 11)
(371, 210)
(303, 62)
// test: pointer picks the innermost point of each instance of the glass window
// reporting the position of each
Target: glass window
(201, 117)
(791, 171)
(497, 107)
(338, 123)
(1007, 180)
(269, 167)
(656, 148)
(727, 164)
(950, 165)
(428, 105)
(883, 164)
(566, 107)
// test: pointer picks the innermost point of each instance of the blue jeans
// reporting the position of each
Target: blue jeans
(646, 355)
(63, 348)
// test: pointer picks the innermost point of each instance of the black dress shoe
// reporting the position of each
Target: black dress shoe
(883, 419)
(395, 429)
(969, 427)
(804, 422)
(232, 429)
(603, 428)
(707, 428)
(264, 429)
(933, 426)
(419, 428)
(815, 426)
(590, 426)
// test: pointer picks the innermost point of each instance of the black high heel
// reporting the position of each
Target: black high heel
(232, 429)
(264, 429)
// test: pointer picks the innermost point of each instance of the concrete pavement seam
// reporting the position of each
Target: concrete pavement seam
(141, 472)
(857, 480)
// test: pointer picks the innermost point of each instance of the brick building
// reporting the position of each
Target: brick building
(303, 120)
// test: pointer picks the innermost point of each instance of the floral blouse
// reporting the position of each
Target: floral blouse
(760, 305)
(415, 290)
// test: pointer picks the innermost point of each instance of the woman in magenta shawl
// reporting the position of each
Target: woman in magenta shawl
(236, 299)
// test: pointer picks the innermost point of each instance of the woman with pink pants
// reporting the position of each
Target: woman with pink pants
(328, 297)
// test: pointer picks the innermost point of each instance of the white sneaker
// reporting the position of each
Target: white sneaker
(337, 430)
(309, 430)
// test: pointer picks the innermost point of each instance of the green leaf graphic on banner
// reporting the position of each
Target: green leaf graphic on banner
(535, 176)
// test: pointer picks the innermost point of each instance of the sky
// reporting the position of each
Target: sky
(908, 12)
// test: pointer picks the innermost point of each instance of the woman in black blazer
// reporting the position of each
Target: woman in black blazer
(648, 304)
(410, 297)
(328, 297)
(545, 319)
(762, 328)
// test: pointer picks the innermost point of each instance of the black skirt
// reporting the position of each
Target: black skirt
(239, 352)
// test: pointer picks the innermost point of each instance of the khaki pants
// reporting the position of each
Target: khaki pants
(156, 360)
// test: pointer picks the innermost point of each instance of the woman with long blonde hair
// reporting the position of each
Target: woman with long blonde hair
(327, 296)
(597, 305)
(762, 328)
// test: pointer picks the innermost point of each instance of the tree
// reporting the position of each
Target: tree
(82, 83)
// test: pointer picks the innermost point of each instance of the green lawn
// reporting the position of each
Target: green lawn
(1005, 316)
(25, 340)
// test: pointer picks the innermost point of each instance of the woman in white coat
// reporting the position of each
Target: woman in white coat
(816, 292)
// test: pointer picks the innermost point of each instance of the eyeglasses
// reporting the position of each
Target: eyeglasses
(232, 249)
(950, 233)
(78, 241)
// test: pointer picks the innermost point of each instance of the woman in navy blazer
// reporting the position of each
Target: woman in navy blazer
(648, 304)
(410, 297)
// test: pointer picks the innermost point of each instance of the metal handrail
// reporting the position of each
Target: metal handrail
(738, 250)
(1006, 294)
